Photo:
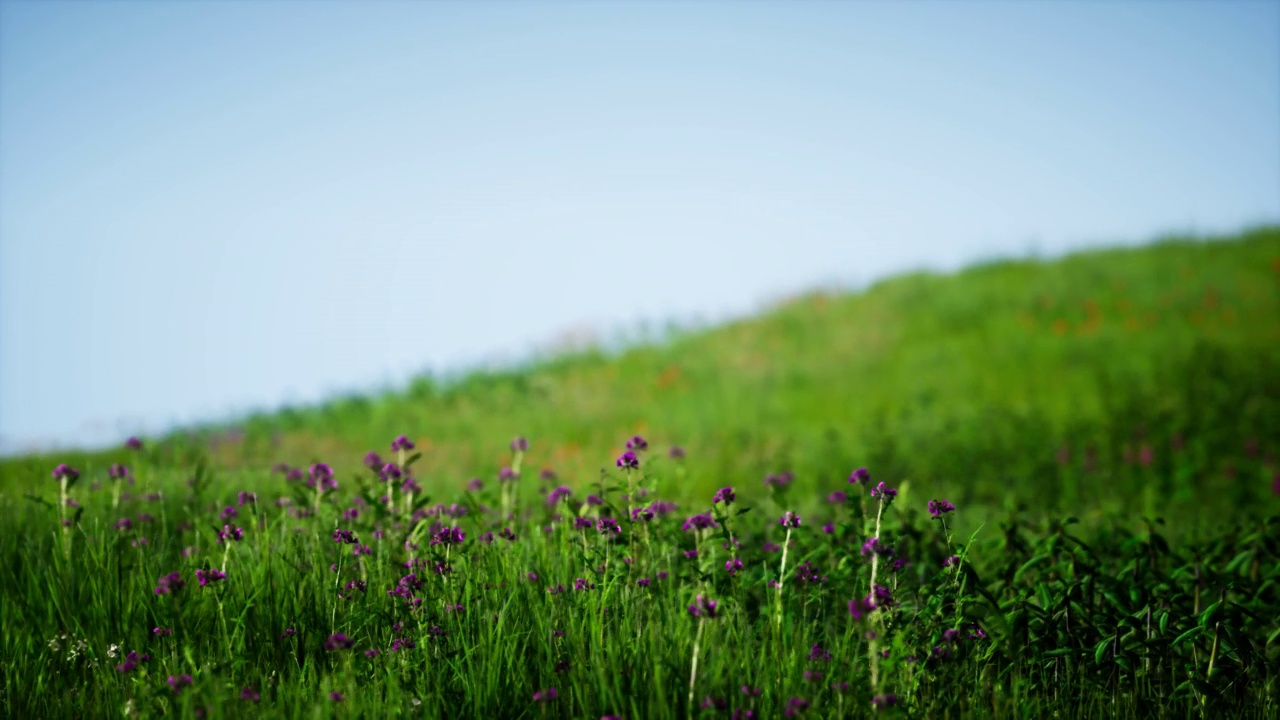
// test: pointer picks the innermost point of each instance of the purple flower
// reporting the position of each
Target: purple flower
(818, 654)
(884, 700)
(373, 460)
(544, 695)
(779, 480)
(209, 576)
(690, 554)
(676, 452)
(389, 471)
(170, 583)
(724, 495)
(750, 691)
(938, 508)
(789, 519)
(608, 525)
(874, 546)
(643, 582)
(449, 536)
(289, 632)
(771, 547)
(795, 706)
(807, 573)
(884, 492)
(372, 653)
(859, 608)
(703, 606)
(124, 523)
(131, 661)
(628, 461)
(710, 702)
(860, 476)
(519, 444)
(637, 443)
(813, 676)
(117, 471)
(951, 635)
(733, 566)
(248, 693)
(594, 501)
(952, 561)
(343, 536)
(65, 472)
(829, 528)
(701, 521)
(230, 533)
(506, 474)
(401, 443)
(321, 476)
(161, 632)
(338, 641)
(644, 514)
(557, 494)
(336, 696)
(177, 682)
(244, 497)
(133, 443)
(580, 584)
(838, 497)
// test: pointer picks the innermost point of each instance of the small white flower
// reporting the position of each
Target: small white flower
(113, 650)
(416, 702)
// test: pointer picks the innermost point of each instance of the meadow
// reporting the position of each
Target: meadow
(1030, 488)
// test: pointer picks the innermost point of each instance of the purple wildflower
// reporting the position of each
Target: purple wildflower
(519, 444)
(372, 653)
(813, 676)
(839, 497)
(244, 497)
(475, 485)
(641, 513)
(770, 547)
(608, 525)
(703, 606)
(637, 443)
(248, 693)
(860, 476)
(594, 501)
(506, 474)
(133, 443)
(117, 471)
(676, 452)
(874, 546)
(938, 508)
(161, 632)
(701, 521)
(65, 472)
(750, 691)
(336, 696)
(795, 706)
(373, 460)
(124, 523)
(581, 584)
(131, 661)
(338, 641)
(733, 566)
(344, 536)
(724, 495)
(557, 494)
(628, 461)
(643, 582)
(884, 492)
(779, 480)
(209, 576)
(230, 533)
(170, 583)
(829, 528)
(952, 561)
(818, 654)
(545, 695)
(789, 519)
(289, 632)
(401, 443)
(884, 700)
(177, 682)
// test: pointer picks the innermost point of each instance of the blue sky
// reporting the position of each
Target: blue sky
(207, 208)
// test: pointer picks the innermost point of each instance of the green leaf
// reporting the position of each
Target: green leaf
(1188, 635)
(1100, 650)
(1033, 562)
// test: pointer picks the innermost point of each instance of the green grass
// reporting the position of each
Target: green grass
(1107, 425)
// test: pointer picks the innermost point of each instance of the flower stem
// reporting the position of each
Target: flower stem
(693, 670)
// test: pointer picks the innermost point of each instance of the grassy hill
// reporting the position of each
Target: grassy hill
(1116, 379)
(1117, 386)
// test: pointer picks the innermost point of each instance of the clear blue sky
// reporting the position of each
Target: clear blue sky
(213, 207)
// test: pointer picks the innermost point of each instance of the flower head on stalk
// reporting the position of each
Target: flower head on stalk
(212, 575)
(402, 443)
(637, 443)
(701, 521)
(321, 476)
(557, 494)
(724, 495)
(704, 607)
(170, 583)
(65, 472)
(860, 476)
(883, 492)
(628, 461)
(117, 471)
(519, 444)
(938, 508)
(789, 520)
(133, 443)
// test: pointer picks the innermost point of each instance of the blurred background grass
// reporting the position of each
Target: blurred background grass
(1143, 380)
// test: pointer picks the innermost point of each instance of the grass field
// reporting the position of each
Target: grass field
(1072, 508)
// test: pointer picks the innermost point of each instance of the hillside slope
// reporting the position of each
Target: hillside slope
(1039, 381)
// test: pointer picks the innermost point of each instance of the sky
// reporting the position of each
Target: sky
(210, 208)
